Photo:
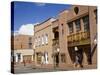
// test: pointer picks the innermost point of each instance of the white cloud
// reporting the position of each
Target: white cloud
(26, 29)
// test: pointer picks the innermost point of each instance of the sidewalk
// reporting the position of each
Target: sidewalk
(21, 65)
(64, 68)
(30, 68)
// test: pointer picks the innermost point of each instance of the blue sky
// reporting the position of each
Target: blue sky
(30, 13)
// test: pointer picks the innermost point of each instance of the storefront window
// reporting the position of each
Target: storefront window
(39, 56)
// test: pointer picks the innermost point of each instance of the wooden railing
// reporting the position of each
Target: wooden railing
(78, 37)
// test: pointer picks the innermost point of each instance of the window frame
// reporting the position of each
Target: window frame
(85, 20)
(70, 27)
(78, 25)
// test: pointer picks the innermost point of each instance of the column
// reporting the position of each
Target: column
(46, 58)
(82, 25)
(35, 60)
(16, 58)
(74, 27)
(21, 60)
(42, 59)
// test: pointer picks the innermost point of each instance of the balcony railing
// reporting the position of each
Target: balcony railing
(78, 37)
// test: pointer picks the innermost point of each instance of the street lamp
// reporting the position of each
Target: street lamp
(58, 50)
(95, 41)
(76, 49)
(58, 57)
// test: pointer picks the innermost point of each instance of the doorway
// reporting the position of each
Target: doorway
(56, 60)
(73, 53)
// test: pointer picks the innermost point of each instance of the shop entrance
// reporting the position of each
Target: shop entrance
(83, 52)
(27, 58)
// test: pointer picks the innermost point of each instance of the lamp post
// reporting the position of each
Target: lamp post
(76, 49)
(95, 41)
(58, 57)
(76, 56)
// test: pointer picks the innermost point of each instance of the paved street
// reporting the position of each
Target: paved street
(29, 69)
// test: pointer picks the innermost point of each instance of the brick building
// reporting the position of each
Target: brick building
(56, 40)
(43, 42)
(22, 48)
(78, 29)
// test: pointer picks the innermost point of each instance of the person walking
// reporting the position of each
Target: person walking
(78, 58)
(76, 64)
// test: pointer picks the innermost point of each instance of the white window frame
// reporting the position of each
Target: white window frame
(46, 38)
(42, 38)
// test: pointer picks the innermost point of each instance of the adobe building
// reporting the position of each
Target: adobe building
(56, 41)
(43, 43)
(22, 48)
(60, 40)
(78, 31)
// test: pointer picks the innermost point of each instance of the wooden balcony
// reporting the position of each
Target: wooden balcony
(79, 39)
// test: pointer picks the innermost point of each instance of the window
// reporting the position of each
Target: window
(42, 38)
(95, 12)
(56, 35)
(76, 10)
(39, 41)
(19, 56)
(78, 26)
(39, 56)
(63, 58)
(30, 45)
(86, 23)
(70, 25)
(30, 42)
(46, 38)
